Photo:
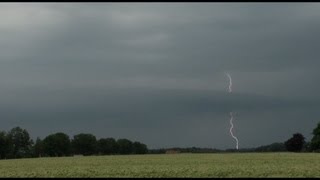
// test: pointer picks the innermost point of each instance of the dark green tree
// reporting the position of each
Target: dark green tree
(20, 141)
(38, 150)
(85, 144)
(296, 143)
(125, 146)
(139, 148)
(57, 144)
(315, 141)
(307, 147)
(4, 145)
(107, 146)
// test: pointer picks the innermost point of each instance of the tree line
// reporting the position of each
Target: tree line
(296, 143)
(17, 144)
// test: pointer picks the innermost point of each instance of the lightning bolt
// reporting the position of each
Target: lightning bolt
(234, 137)
(231, 113)
(230, 82)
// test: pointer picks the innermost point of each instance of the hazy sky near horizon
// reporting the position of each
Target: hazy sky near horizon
(154, 72)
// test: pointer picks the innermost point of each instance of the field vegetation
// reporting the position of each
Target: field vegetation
(168, 165)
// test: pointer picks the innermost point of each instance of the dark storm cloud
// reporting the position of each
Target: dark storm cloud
(154, 72)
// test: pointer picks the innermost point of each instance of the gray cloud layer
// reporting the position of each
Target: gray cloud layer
(155, 72)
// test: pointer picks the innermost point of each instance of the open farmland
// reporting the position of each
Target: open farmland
(168, 165)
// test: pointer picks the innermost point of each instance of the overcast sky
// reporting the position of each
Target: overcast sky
(155, 72)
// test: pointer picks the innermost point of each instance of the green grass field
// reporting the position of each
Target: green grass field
(170, 165)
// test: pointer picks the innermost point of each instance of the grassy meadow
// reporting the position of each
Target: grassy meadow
(168, 165)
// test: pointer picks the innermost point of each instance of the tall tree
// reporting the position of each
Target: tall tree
(21, 142)
(57, 144)
(85, 144)
(315, 141)
(296, 143)
(125, 146)
(107, 146)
